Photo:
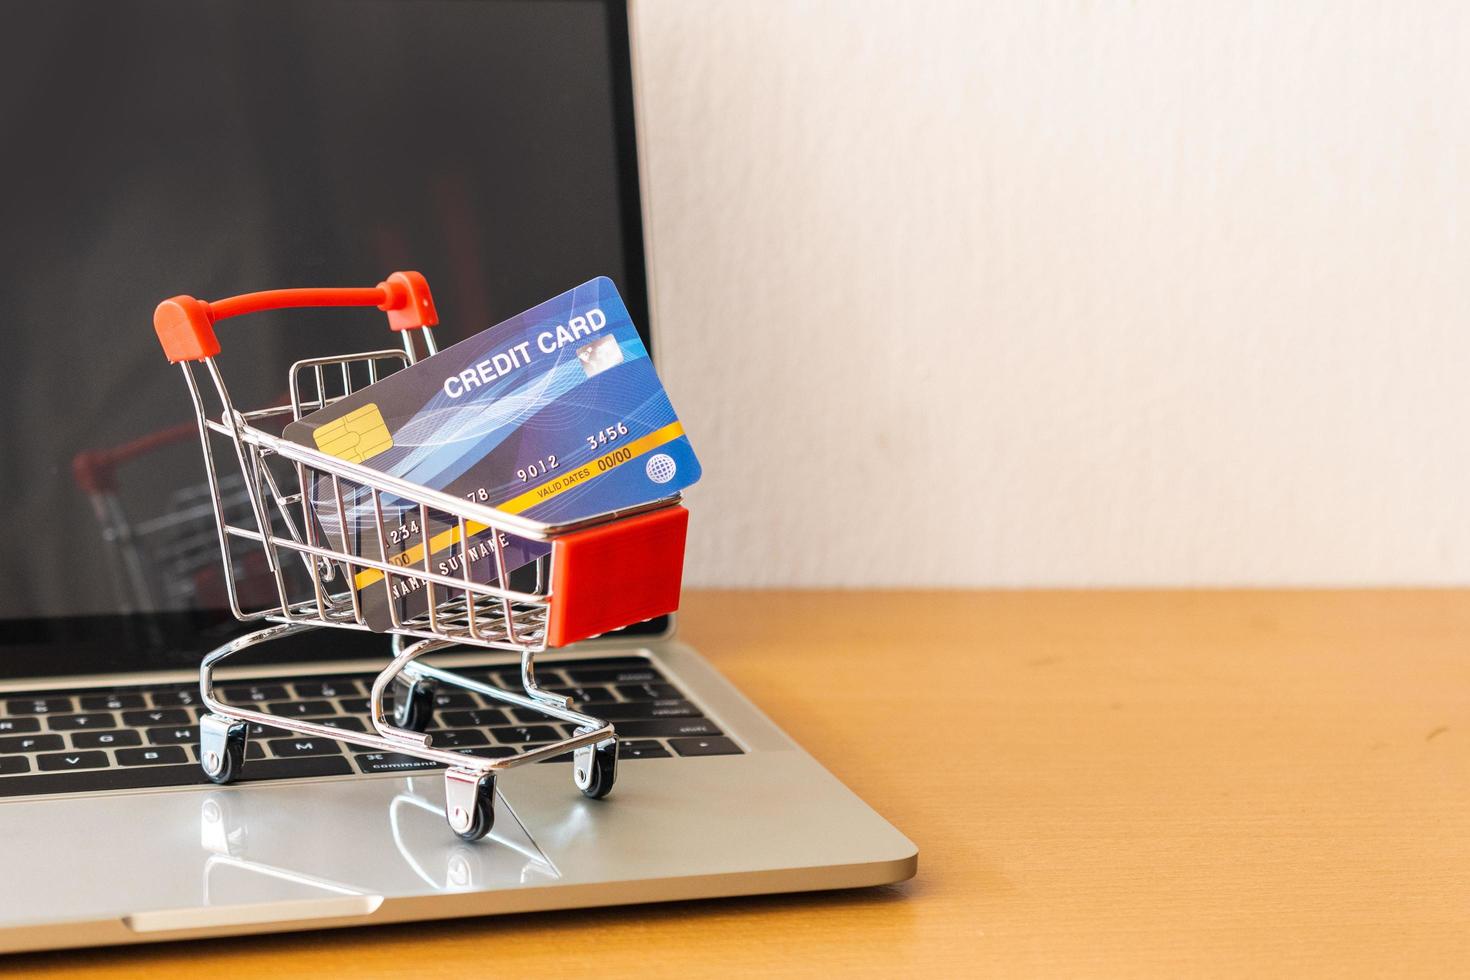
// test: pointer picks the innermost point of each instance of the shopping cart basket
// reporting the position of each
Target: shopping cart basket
(604, 572)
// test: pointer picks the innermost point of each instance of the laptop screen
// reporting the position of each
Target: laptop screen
(158, 147)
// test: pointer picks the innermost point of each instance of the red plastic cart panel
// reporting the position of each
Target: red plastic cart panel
(616, 575)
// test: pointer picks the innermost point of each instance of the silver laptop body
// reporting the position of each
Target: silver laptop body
(151, 865)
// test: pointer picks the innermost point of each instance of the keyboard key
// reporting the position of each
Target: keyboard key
(65, 761)
(254, 731)
(301, 745)
(13, 764)
(477, 718)
(668, 728)
(510, 677)
(586, 694)
(31, 743)
(360, 706)
(328, 687)
(704, 746)
(142, 777)
(105, 740)
(530, 716)
(13, 725)
(639, 710)
(454, 699)
(605, 663)
(177, 735)
(300, 709)
(71, 723)
(295, 767)
(523, 734)
(371, 762)
(625, 675)
(253, 750)
(642, 749)
(175, 697)
(157, 716)
(462, 738)
(649, 692)
(158, 756)
(344, 723)
(111, 702)
(241, 693)
(490, 751)
(39, 706)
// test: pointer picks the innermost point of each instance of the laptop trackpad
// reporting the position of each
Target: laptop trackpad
(238, 855)
(253, 848)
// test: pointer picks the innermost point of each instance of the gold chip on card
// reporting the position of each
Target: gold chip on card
(356, 436)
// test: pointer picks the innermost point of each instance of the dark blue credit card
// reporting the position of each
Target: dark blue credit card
(555, 414)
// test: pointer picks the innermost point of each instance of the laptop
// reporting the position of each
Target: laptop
(210, 149)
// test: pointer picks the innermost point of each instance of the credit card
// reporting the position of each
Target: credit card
(555, 414)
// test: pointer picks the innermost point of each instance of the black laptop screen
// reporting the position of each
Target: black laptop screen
(158, 147)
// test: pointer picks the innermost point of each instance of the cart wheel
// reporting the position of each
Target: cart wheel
(482, 818)
(414, 707)
(600, 773)
(227, 755)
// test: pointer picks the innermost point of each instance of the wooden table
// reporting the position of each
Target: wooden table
(1164, 783)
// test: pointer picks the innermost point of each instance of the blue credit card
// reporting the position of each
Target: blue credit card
(555, 414)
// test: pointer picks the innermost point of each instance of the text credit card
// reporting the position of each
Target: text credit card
(555, 414)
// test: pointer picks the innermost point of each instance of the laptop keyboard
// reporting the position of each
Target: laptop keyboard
(142, 737)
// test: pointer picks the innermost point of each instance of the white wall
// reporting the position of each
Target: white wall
(1066, 293)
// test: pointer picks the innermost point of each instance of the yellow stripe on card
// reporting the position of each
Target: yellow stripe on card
(551, 488)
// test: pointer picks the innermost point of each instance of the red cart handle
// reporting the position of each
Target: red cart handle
(185, 325)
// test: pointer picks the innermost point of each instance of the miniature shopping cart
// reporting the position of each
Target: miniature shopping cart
(604, 572)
